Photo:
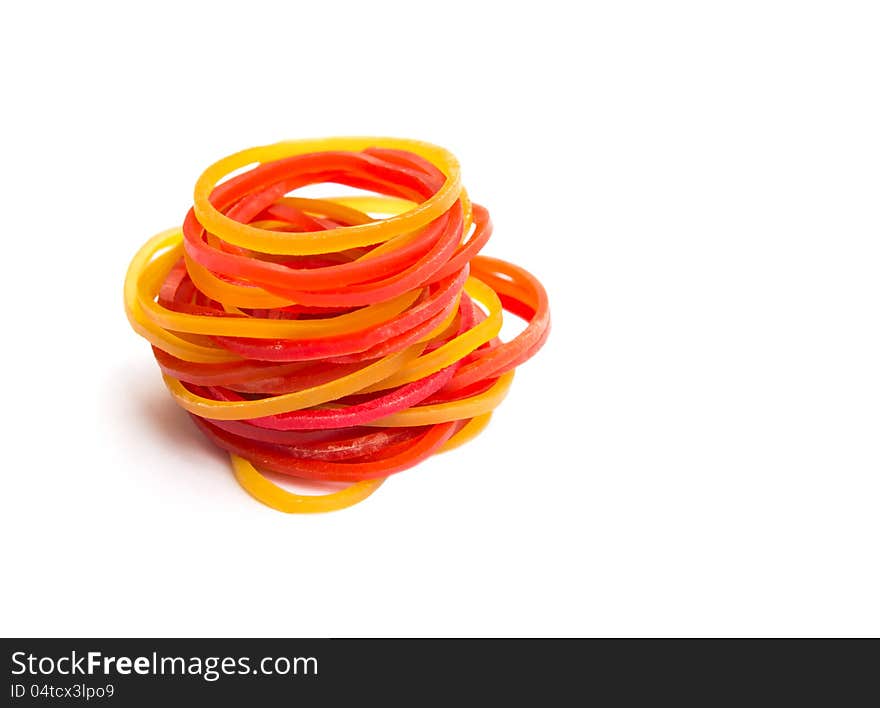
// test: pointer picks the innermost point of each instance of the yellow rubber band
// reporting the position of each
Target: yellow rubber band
(375, 204)
(435, 413)
(153, 272)
(472, 428)
(297, 400)
(311, 243)
(455, 349)
(329, 208)
(274, 496)
(166, 341)
(250, 296)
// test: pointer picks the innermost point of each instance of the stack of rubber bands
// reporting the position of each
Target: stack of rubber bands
(337, 339)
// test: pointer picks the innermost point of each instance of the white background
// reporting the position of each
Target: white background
(694, 452)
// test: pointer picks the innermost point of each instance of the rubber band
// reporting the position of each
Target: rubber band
(153, 274)
(340, 339)
(262, 489)
(455, 349)
(333, 239)
(343, 386)
(272, 495)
